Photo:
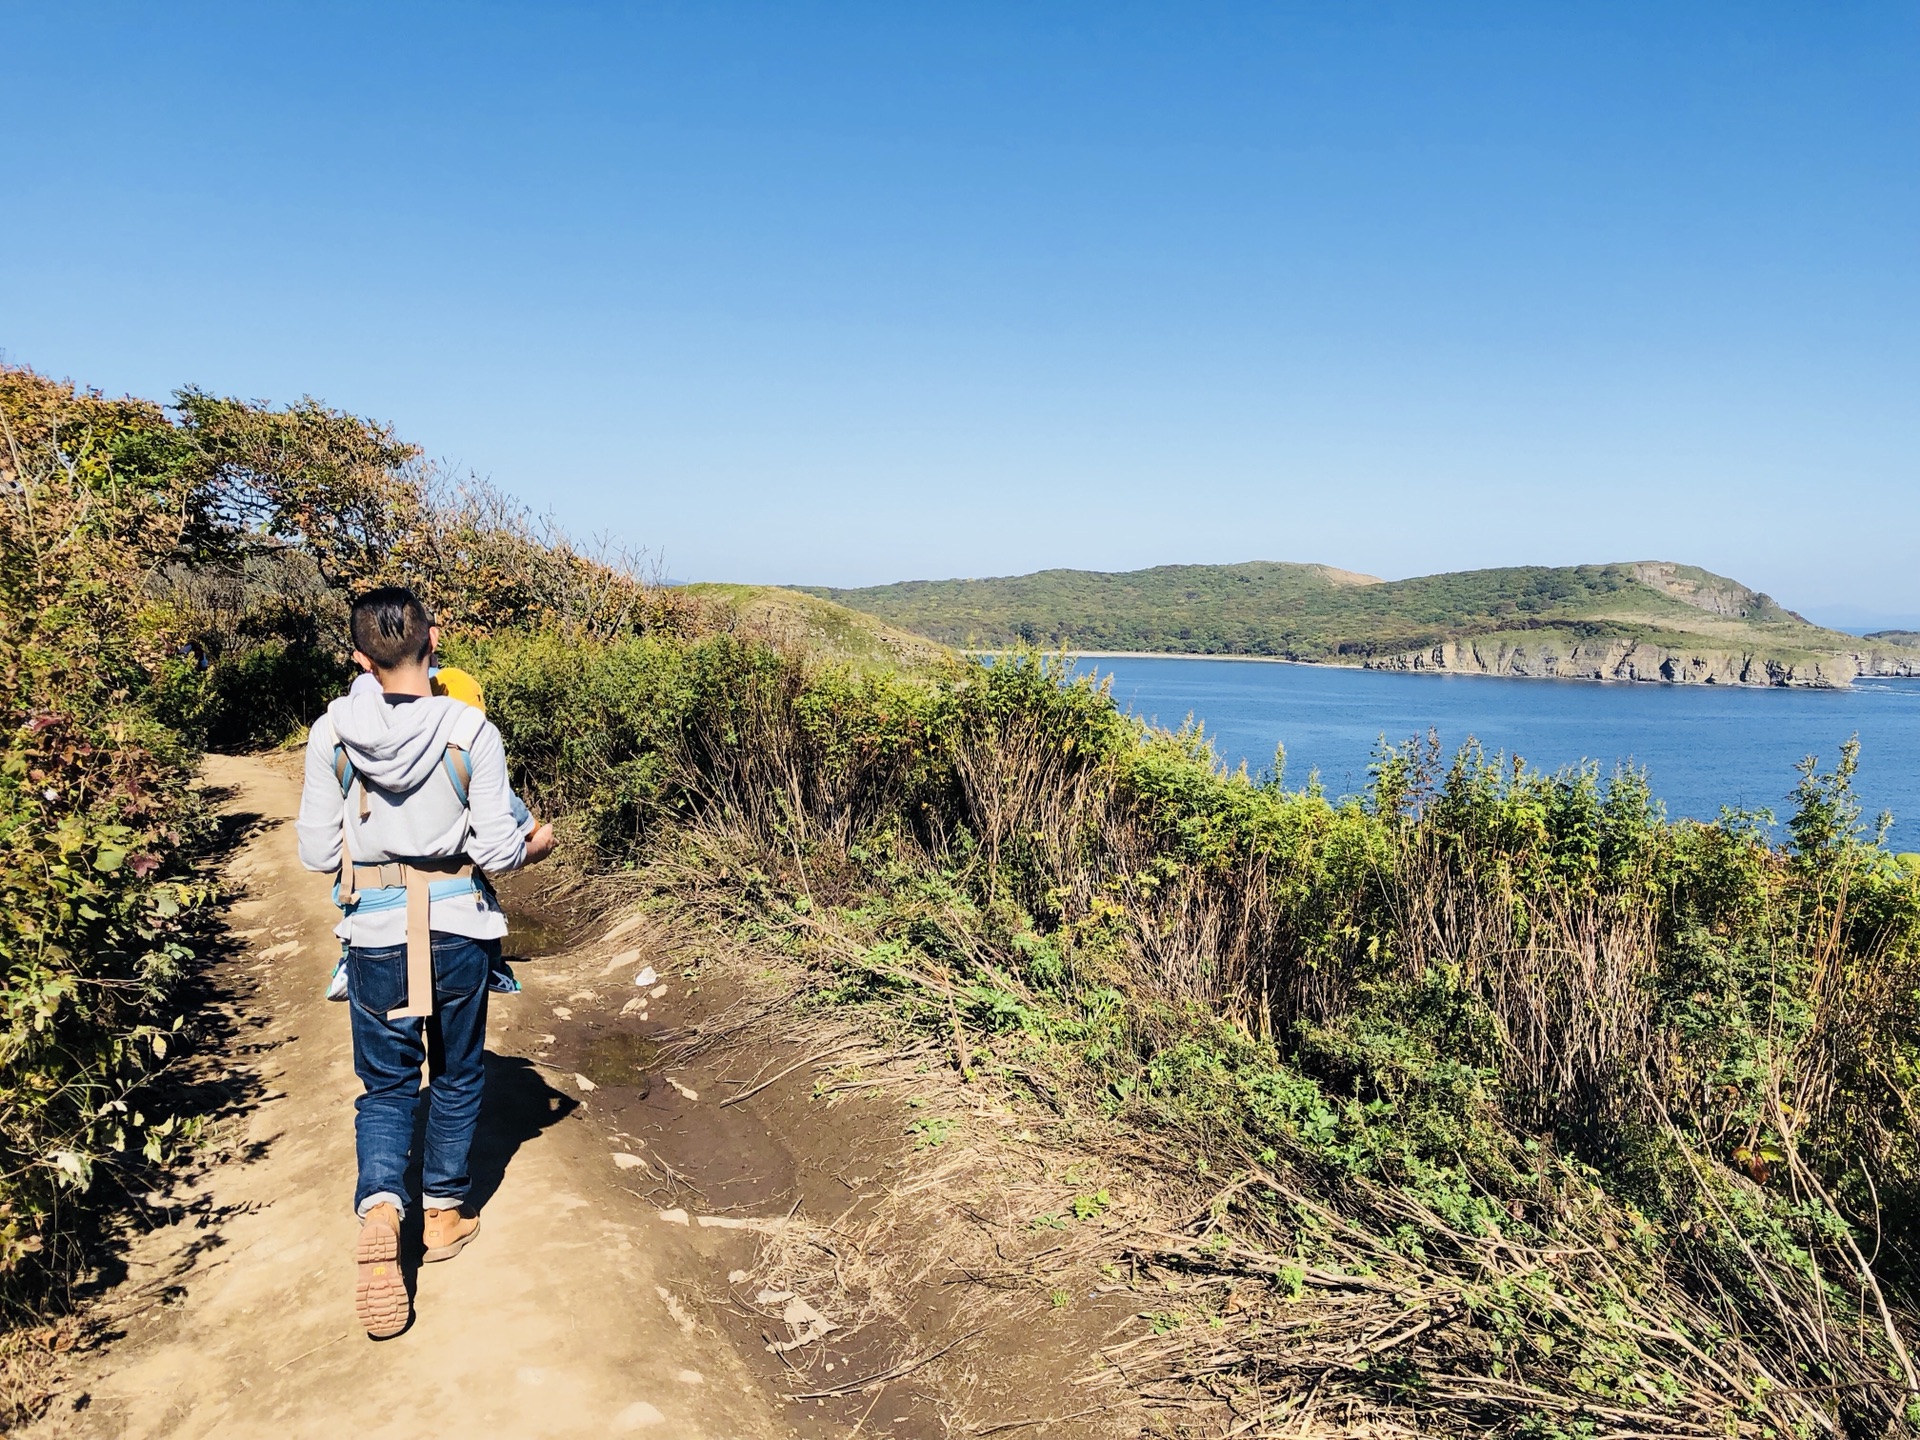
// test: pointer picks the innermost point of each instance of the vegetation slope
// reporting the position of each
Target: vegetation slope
(802, 621)
(1316, 613)
(1491, 1102)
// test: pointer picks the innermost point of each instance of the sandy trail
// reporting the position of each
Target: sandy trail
(569, 1315)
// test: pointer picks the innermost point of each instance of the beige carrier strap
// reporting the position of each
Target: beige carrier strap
(348, 894)
(418, 877)
(349, 782)
(419, 948)
(348, 890)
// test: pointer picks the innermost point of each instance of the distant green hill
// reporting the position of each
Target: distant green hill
(1647, 620)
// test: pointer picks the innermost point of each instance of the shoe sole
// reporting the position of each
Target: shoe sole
(379, 1289)
(447, 1252)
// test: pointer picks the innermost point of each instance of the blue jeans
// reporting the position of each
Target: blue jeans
(387, 1055)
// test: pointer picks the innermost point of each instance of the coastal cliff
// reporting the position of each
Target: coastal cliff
(1551, 655)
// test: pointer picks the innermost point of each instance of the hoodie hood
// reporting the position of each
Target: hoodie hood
(395, 747)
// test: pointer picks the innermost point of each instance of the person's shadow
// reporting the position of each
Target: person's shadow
(516, 1105)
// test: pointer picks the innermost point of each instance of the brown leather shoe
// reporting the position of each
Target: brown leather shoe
(379, 1289)
(446, 1232)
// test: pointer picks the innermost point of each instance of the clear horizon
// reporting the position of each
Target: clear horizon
(854, 294)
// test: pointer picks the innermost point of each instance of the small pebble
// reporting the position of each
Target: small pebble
(638, 1416)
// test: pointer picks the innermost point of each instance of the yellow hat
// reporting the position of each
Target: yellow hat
(451, 680)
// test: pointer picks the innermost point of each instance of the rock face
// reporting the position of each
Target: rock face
(1703, 590)
(1891, 666)
(1571, 658)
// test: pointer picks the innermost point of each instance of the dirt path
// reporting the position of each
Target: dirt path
(570, 1315)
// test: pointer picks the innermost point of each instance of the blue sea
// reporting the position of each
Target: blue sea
(1704, 747)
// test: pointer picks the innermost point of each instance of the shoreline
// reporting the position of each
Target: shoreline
(1430, 673)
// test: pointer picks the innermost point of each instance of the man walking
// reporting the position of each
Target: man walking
(407, 800)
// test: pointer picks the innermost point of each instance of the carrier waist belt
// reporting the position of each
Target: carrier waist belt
(416, 884)
(392, 875)
(392, 897)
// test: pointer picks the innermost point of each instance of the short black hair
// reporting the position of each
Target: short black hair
(389, 627)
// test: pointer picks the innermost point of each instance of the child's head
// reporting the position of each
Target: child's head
(391, 629)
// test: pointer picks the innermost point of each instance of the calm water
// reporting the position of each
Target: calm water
(1703, 747)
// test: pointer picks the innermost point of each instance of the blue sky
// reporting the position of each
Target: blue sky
(851, 293)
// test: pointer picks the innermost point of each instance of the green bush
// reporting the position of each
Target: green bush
(95, 910)
(249, 700)
(98, 826)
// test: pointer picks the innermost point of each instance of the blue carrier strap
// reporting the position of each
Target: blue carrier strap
(453, 760)
(459, 770)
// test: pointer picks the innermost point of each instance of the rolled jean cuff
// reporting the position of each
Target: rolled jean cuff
(381, 1197)
(441, 1202)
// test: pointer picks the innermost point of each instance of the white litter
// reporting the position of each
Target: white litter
(674, 1217)
(646, 977)
(585, 1084)
(624, 1161)
(684, 1091)
(773, 1297)
(560, 1012)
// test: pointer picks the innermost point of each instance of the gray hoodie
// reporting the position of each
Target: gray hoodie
(413, 810)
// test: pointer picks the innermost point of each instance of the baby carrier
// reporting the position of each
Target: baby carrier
(415, 882)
